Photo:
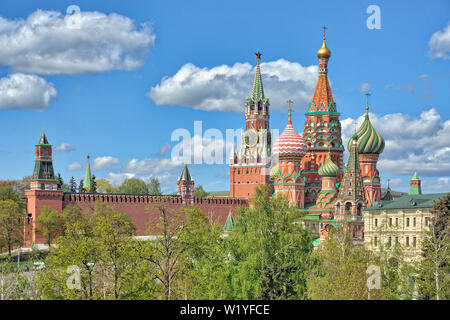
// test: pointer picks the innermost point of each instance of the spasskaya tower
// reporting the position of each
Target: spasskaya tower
(250, 166)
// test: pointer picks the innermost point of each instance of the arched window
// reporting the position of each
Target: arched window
(348, 207)
(359, 210)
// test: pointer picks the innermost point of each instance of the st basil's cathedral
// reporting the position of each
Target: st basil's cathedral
(309, 169)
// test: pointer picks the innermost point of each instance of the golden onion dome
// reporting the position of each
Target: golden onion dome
(275, 171)
(324, 52)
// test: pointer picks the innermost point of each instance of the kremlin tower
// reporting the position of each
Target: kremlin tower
(290, 149)
(185, 186)
(43, 175)
(322, 129)
(250, 166)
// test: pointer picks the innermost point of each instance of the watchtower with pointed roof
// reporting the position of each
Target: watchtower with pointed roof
(43, 175)
(250, 166)
(415, 185)
(185, 186)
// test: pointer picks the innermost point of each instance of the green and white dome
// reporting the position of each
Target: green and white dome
(329, 168)
(368, 139)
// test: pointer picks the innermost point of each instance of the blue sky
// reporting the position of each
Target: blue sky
(110, 111)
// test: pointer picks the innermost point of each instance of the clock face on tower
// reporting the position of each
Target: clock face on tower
(250, 138)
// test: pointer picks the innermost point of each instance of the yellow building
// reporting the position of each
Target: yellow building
(402, 221)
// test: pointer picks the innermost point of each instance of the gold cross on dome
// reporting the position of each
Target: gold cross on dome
(324, 29)
(367, 101)
(290, 109)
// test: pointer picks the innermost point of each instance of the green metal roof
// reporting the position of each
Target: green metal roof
(410, 202)
(87, 177)
(311, 217)
(185, 175)
(228, 227)
(316, 242)
(257, 89)
(43, 139)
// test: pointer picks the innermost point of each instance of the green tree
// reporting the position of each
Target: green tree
(199, 192)
(340, 273)
(180, 240)
(133, 186)
(434, 275)
(81, 187)
(60, 181)
(101, 247)
(154, 187)
(93, 185)
(269, 251)
(73, 185)
(71, 214)
(49, 223)
(104, 186)
(76, 249)
(114, 230)
(11, 224)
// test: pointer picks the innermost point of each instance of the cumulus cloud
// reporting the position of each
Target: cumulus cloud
(46, 43)
(440, 43)
(167, 170)
(224, 88)
(24, 91)
(64, 147)
(365, 86)
(76, 166)
(103, 163)
(421, 144)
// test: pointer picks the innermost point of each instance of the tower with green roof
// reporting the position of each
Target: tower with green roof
(88, 176)
(415, 185)
(250, 165)
(43, 175)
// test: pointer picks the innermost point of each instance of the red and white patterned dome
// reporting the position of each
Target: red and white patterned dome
(289, 143)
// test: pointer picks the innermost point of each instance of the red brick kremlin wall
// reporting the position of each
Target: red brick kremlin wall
(140, 208)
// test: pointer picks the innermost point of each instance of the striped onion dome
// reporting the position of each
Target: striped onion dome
(289, 143)
(275, 171)
(329, 168)
(369, 141)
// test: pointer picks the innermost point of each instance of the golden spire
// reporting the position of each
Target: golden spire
(324, 52)
(367, 103)
(290, 109)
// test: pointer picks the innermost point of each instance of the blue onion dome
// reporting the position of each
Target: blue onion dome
(329, 168)
(275, 171)
(368, 139)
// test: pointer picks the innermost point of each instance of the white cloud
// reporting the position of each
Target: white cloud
(225, 88)
(117, 178)
(65, 147)
(421, 144)
(440, 43)
(24, 91)
(76, 166)
(106, 162)
(365, 86)
(44, 43)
